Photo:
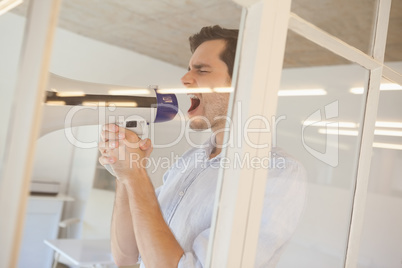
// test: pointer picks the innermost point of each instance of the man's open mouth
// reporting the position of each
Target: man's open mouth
(195, 102)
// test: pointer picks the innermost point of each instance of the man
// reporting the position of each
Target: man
(170, 227)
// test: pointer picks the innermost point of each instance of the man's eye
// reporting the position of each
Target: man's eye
(203, 71)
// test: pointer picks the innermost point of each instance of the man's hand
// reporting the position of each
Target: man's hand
(138, 224)
(123, 150)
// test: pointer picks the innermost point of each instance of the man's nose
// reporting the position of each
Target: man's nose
(187, 79)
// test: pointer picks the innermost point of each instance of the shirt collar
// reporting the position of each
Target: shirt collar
(209, 145)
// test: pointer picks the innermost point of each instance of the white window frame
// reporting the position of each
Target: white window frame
(240, 192)
(24, 125)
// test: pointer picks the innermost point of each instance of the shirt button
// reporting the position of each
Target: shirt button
(181, 193)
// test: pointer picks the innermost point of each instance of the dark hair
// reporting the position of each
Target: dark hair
(218, 33)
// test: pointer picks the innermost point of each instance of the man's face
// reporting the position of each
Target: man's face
(207, 70)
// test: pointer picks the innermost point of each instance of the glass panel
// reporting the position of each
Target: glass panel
(318, 121)
(142, 46)
(393, 51)
(351, 21)
(381, 240)
(134, 44)
(12, 27)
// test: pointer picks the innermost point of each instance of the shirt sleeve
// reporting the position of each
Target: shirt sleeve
(284, 202)
(283, 206)
(197, 257)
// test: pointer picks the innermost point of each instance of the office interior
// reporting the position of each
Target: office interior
(136, 45)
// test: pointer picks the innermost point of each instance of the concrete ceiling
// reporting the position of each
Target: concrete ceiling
(160, 28)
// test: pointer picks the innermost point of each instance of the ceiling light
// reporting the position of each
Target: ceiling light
(388, 124)
(357, 90)
(140, 91)
(385, 87)
(70, 94)
(378, 132)
(390, 86)
(223, 89)
(184, 90)
(302, 92)
(6, 5)
(195, 90)
(381, 132)
(123, 104)
(387, 146)
(338, 132)
(329, 124)
(57, 103)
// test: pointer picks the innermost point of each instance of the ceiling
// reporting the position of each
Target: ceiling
(160, 28)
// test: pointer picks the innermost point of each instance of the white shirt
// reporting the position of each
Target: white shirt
(187, 199)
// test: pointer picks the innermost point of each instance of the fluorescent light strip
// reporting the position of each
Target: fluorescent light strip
(70, 93)
(329, 124)
(123, 104)
(223, 89)
(387, 146)
(296, 92)
(378, 132)
(6, 5)
(57, 103)
(390, 86)
(388, 124)
(302, 92)
(195, 90)
(381, 132)
(341, 124)
(385, 87)
(111, 104)
(140, 91)
(184, 90)
(338, 132)
(357, 90)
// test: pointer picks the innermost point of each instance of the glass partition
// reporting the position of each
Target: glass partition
(381, 236)
(146, 44)
(318, 121)
(318, 124)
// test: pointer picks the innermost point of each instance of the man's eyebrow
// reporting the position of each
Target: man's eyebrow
(199, 66)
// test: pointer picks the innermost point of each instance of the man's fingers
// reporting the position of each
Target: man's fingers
(112, 132)
(111, 135)
(145, 144)
(110, 128)
(109, 145)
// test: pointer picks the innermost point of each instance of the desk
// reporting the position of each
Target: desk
(88, 252)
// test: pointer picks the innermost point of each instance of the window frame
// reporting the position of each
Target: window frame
(240, 194)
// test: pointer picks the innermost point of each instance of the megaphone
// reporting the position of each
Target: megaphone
(72, 103)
